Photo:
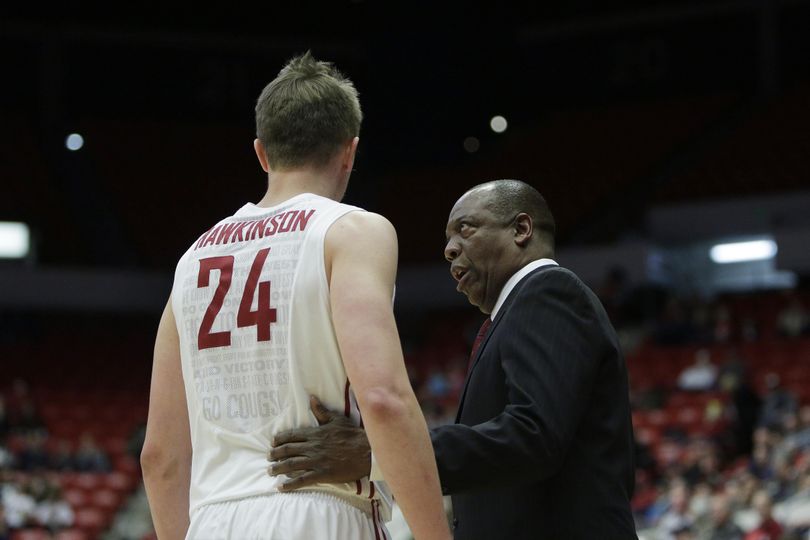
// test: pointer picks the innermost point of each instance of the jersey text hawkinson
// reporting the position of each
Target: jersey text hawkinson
(241, 231)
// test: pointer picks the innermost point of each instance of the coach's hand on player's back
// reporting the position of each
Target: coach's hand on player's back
(335, 451)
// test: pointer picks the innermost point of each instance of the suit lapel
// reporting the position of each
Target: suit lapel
(483, 346)
(480, 351)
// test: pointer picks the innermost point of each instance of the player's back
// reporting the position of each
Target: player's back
(251, 300)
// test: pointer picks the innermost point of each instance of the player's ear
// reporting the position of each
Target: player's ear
(261, 154)
(349, 152)
(523, 229)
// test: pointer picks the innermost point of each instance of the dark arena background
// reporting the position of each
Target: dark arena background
(671, 139)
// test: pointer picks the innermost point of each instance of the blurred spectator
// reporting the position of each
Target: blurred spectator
(33, 456)
(52, 511)
(19, 393)
(37, 487)
(673, 327)
(5, 532)
(749, 485)
(799, 438)
(720, 525)
(793, 321)
(456, 378)
(760, 466)
(17, 504)
(135, 442)
(702, 323)
(783, 482)
(745, 403)
(702, 375)
(684, 532)
(733, 491)
(4, 424)
(644, 459)
(62, 458)
(6, 457)
(89, 457)
(749, 330)
(677, 516)
(28, 419)
(613, 293)
(776, 403)
(732, 371)
(722, 324)
(435, 414)
(700, 503)
(768, 528)
(437, 385)
(709, 468)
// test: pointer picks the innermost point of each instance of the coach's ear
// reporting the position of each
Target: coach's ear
(523, 229)
(260, 153)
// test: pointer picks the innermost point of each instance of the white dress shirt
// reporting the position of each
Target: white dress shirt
(515, 279)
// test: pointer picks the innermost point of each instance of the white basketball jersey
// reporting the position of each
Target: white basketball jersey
(251, 301)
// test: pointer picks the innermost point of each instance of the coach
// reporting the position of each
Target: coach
(542, 445)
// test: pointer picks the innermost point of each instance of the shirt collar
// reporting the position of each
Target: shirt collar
(515, 279)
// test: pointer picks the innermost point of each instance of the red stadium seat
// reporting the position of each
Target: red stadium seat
(689, 415)
(667, 453)
(87, 481)
(71, 534)
(648, 436)
(105, 499)
(76, 498)
(127, 464)
(119, 482)
(658, 418)
(31, 534)
(91, 521)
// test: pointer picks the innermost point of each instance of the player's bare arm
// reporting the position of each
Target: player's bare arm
(361, 259)
(166, 455)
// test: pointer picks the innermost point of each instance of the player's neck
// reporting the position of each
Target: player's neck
(284, 185)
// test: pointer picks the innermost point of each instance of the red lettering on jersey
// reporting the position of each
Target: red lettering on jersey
(211, 237)
(257, 229)
(261, 318)
(295, 220)
(273, 227)
(250, 233)
(237, 233)
(202, 239)
(286, 225)
(264, 315)
(262, 226)
(225, 233)
(302, 220)
(207, 339)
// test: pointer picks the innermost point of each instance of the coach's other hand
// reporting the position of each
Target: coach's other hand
(336, 451)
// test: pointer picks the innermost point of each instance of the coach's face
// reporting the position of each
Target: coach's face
(481, 250)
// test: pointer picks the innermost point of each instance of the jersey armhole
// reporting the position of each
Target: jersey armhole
(322, 250)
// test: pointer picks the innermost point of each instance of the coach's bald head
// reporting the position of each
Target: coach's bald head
(508, 198)
(494, 230)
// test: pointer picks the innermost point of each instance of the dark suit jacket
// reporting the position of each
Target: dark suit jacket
(543, 442)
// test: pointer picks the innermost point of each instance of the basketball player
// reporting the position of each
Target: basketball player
(286, 298)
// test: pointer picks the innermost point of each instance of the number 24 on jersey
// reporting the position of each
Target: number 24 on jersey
(261, 318)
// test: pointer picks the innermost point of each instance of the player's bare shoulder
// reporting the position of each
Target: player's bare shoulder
(363, 238)
(362, 229)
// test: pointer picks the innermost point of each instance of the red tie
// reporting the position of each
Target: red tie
(478, 338)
